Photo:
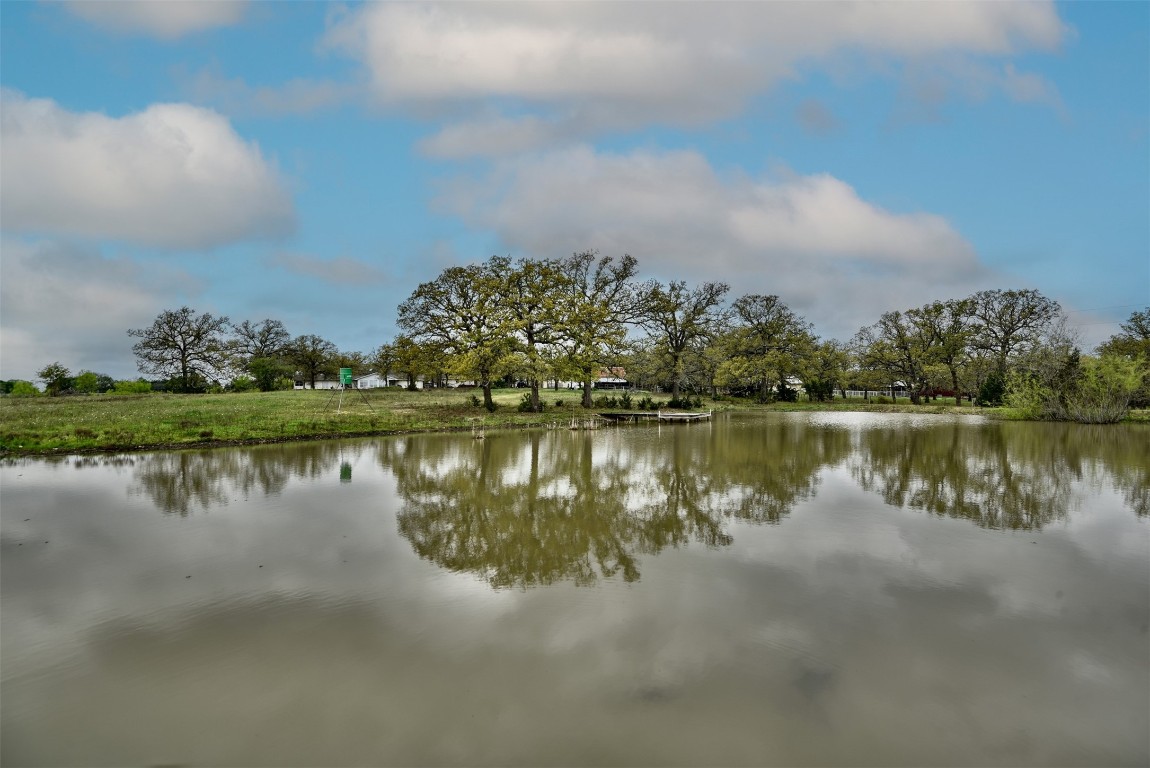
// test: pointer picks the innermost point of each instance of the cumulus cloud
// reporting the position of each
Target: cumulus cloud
(73, 304)
(165, 19)
(595, 66)
(342, 270)
(829, 254)
(173, 176)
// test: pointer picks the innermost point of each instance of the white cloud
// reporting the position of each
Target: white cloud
(828, 253)
(174, 176)
(72, 304)
(165, 19)
(600, 66)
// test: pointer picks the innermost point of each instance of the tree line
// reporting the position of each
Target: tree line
(570, 319)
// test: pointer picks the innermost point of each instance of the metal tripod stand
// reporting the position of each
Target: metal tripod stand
(340, 390)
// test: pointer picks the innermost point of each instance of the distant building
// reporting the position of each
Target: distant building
(612, 378)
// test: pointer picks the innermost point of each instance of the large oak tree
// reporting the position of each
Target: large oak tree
(183, 345)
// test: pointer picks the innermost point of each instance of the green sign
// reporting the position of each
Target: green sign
(345, 376)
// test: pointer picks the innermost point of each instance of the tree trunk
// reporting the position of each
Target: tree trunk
(587, 394)
(488, 403)
(535, 396)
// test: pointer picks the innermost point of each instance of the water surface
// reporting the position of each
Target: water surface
(791, 589)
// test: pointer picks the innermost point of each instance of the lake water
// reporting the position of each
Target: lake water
(787, 589)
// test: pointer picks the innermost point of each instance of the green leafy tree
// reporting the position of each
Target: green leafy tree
(406, 356)
(21, 388)
(269, 373)
(679, 320)
(56, 378)
(900, 344)
(311, 356)
(767, 344)
(598, 301)
(825, 369)
(464, 313)
(1133, 343)
(86, 382)
(950, 324)
(187, 347)
(535, 289)
(1006, 324)
(1069, 387)
(261, 349)
(138, 387)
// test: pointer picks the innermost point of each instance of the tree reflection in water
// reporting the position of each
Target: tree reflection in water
(537, 508)
(182, 482)
(1006, 476)
(525, 511)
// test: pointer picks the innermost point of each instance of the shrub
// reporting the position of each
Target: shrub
(137, 387)
(24, 389)
(525, 404)
(1091, 390)
(558, 402)
(992, 391)
(475, 401)
(625, 400)
(243, 384)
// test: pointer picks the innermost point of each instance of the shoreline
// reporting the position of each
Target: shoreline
(105, 424)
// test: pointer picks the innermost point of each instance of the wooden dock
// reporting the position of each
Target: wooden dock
(636, 416)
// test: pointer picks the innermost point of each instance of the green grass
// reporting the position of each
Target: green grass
(126, 422)
(117, 422)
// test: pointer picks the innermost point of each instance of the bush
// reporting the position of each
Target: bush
(475, 402)
(992, 391)
(243, 384)
(525, 404)
(558, 402)
(647, 404)
(137, 387)
(24, 389)
(625, 400)
(1090, 391)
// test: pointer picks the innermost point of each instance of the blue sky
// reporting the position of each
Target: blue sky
(314, 162)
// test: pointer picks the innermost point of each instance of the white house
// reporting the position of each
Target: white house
(369, 381)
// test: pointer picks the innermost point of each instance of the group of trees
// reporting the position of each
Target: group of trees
(570, 319)
(195, 351)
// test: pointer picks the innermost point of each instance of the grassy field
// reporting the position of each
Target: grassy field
(118, 422)
(128, 422)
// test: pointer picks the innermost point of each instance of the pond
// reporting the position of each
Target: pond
(783, 589)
